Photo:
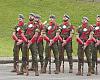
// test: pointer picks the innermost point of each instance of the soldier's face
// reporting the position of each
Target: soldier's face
(65, 19)
(36, 33)
(31, 17)
(84, 21)
(57, 33)
(98, 19)
(20, 19)
(36, 19)
(52, 20)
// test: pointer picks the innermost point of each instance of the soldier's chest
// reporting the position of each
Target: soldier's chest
(97, 29)
(85, 31)
(65, 29)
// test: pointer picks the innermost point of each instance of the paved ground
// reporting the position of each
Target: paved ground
(5, 74)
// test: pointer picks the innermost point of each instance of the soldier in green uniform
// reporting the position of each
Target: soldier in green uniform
(51, 32)
(83, 47)
(67, 30)
(95, 47)
(40, 26)
(31, 34)
(17, 38)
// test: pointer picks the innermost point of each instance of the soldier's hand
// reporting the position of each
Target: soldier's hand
(84, 46)
(64, 42)
(29, 43)
(19, 42)
(51, 42)
(97, 43)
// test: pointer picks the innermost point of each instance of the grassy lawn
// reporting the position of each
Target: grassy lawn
(9, 10)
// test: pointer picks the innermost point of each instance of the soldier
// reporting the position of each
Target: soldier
(30, 29)
(31, 34)
(40, 26)
(51, 33)
(67, 30)
(96, 44)
(17, 38)
(83, 46)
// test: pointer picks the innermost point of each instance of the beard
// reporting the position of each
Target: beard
(31, 19)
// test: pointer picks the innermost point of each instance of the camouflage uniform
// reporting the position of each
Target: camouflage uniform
(66, 30)
(40, 26)
(17, 48)
(84, 32)
(94, 48)
(51, 32)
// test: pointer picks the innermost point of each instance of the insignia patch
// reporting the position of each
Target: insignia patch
(84, 29)
(64, 26)
(96, 28)
(49, 27)
(18, 28)
(30, 25)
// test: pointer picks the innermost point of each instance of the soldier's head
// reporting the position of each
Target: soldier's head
(66, 17)
(52, 19)
(98, 18)
(43, 32)
(31, 16)
(85, 20)
(37, 32)
(37, 18)
(20, 17)
(58, 32)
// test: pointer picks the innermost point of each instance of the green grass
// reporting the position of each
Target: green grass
(9, 10)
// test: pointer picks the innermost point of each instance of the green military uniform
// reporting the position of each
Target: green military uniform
(40, 26)
(94, 48)
(84, 32)
(17, 48)
(66, 30)
(51, 32)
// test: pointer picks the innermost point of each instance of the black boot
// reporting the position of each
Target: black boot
(71, 69)
(36, 71)
(21, 72)
(57, 69)
(14, 70)
(89, 71)
(79, 71)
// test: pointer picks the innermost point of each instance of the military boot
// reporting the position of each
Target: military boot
(14, 70)
(21, 72)
(44, 68)
(32, 68)
(89, 72)
(79, 71)
(36, 71)
(92, 70)
(71, 69)
(60, 65)
(41, 66)
(17, 68)
(57, 69)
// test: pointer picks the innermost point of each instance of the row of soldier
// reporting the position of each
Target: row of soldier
(31, 36)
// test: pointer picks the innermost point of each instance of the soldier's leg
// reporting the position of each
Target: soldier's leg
(16, 56)
(89, 60)
(24, 66)
(94, 54)
(47, 55)
(80, 54)
(98, 48)
(32, 64)
(56, 55)
(61, 55)
(69, 55)
(40, 51)
(34, 51)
